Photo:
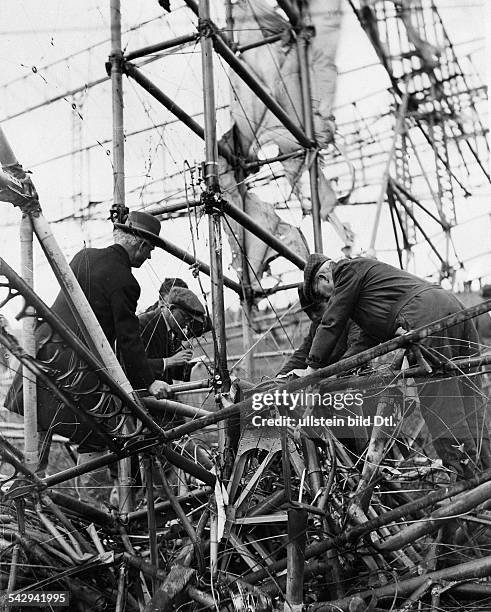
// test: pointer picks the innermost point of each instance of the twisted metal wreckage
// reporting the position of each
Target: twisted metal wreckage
(302, 516)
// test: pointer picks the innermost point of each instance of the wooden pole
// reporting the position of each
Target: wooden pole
(213, 188)
(211, 200)
(297, 537)
(116, 59)
(152, 524)
(29, 388)
(462, 504)
(472, 570)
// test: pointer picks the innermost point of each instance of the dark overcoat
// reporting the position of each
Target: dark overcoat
(112, 291)
(380, 298)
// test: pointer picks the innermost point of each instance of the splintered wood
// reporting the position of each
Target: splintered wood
(360, 524)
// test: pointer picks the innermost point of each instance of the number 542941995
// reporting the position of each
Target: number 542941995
(40, 598)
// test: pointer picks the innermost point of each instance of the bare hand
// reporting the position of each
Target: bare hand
(180, 358)
(400, 331)
(302, 372)
(159, 389)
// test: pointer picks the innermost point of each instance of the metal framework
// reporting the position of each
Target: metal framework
(436, 98)
(429, 100)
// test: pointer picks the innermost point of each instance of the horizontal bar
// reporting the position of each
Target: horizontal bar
(259, 43)
(279, 288)
(108, 459)
(277, 158)
(253, 226)
(201, 390)
(167, 44)
(174, 407)
(265, 355)
(190, 386)
(143, 445)
(163, 209)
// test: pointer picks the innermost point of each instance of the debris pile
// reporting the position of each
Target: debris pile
(319, 521)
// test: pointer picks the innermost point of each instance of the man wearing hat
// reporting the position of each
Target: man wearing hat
(165, 288)
(112, 292)
(166, 329)
(382, 299)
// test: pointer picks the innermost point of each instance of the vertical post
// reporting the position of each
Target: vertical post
(297, 529)
(29, 390)
(229, 20)
(213, 189)
(247, 301)
(213, 537)
(116, 59)
(152, 524)
(308, 125)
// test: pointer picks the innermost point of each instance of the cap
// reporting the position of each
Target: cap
(171, 283)
(187, 301)
(313, 265)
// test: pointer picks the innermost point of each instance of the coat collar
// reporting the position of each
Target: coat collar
(122, 254)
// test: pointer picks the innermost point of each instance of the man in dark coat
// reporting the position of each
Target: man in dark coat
(315, 310)
(381, 299)
(112, 291)
(166, 329)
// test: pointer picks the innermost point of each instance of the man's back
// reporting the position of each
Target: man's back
(105, 277)
(112, 291)
(369, 291)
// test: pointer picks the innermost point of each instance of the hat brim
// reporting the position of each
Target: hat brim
(196, 316)
(141, 233)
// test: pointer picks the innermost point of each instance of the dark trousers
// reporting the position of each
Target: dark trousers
(456, 410)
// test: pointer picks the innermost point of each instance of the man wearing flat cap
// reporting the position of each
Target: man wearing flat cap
(112, 292)
(384, 301)
(166, 286)
(167, 328)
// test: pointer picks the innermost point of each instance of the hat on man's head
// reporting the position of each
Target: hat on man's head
(313, 265)
(141, 224)
(170, 283)
(187, 301)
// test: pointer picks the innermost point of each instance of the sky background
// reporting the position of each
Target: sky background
(41, 59)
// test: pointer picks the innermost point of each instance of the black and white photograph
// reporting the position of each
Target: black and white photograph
(245, 306)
